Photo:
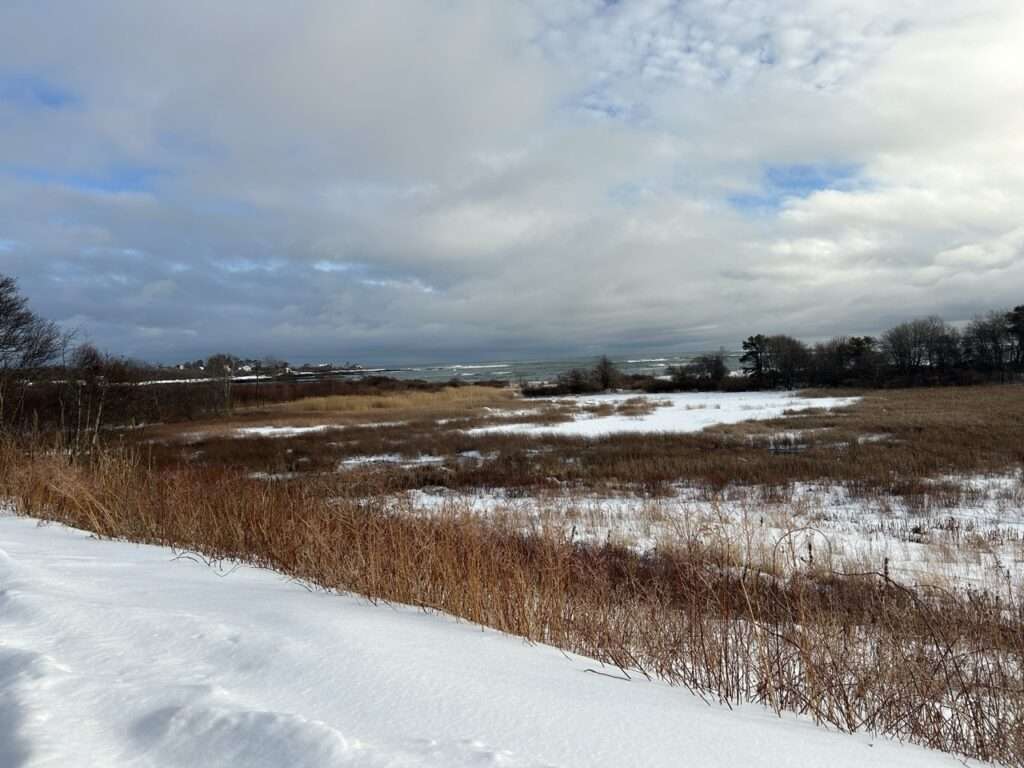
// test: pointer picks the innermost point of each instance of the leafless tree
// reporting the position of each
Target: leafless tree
(710, 368)
(1015, 327)
(987, 341)
(27, 342)
(909, 345)
(788, 360)
(222, 367)
(606, 375)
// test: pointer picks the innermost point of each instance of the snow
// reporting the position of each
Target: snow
(977, 541)
(274, 476)
(674, 412)
(390, 458)
(114, 654)
(507, 412)
(175, 381)
(293, 431)
(206, 380)
(283, 431)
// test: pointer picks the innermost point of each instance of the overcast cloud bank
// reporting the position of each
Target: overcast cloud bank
(421, 180)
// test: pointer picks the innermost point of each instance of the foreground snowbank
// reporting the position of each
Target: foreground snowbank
(113, 654)
(674, 412)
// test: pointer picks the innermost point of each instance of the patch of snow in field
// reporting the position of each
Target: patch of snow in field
(272, 476)
(175, 381)
(477, 456)
(509, 412)
(676, 412)
(291, 431)
(979, 541)
(115, 654)
(283, 431)
(874, 437)
(206, 380)
(390, 458)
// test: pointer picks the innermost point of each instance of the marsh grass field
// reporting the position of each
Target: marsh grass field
(925, 484)
(856, 557)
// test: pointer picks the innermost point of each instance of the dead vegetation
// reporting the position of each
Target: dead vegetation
(855, 651)
(891, 444)
(421, 402)
(747, 594)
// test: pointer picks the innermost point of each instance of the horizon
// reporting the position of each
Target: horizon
(619, 354)
(412, 364)
(557, 180)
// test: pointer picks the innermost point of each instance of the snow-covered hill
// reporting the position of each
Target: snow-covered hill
(113, 654)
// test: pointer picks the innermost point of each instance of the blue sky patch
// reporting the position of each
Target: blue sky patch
(780, 182)
(32, 91)
(601, 102)
(111, 181)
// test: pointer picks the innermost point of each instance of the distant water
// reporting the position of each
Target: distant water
(537, 370)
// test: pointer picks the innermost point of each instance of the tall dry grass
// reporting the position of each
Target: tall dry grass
(409, 400)
(857, 652)
(893, 443)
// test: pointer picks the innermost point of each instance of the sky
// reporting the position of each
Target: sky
(403, 180)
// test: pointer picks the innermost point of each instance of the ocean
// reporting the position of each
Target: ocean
(537, 370)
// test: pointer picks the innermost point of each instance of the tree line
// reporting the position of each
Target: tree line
(924, 351)
(46, 380)
(50, 383)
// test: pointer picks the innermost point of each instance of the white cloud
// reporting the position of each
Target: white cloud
(481, 176)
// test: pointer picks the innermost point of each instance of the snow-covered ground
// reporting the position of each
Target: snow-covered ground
(673, 412)
(283, 431)
(292, 431)
(978, 541)
(393, 459)
(113, 654)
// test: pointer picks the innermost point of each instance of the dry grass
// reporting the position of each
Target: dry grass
(638, 406)
(889, 446)
(858, 652)
(447, 398)
(747, 607)
(776, 530)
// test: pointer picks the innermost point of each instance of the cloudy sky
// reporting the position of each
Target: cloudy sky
(461, 179)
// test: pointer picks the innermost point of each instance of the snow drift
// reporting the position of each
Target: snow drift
(114, 654)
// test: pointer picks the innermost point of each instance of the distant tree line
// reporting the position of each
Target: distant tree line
(925, 351)
(46, 382)
(51, 385)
